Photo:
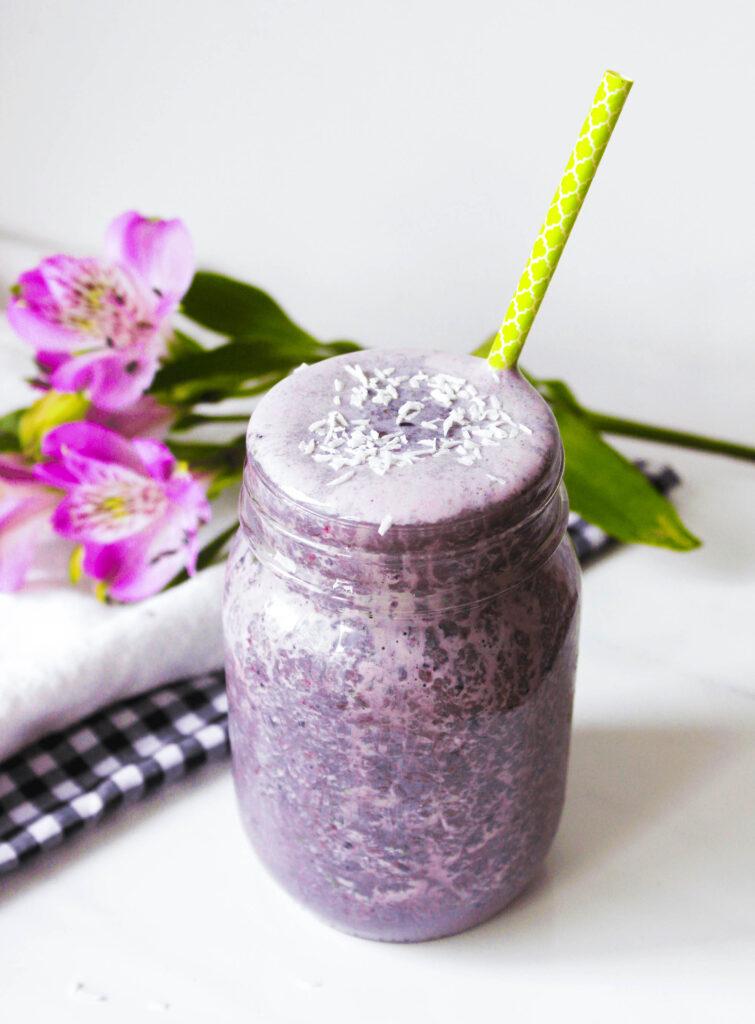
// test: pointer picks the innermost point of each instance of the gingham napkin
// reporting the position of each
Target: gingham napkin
(55, 787)
(70, 779)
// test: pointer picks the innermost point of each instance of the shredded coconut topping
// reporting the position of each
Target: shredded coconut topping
(385, 524)
(459, 422)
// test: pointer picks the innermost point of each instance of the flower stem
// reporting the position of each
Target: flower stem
(242, 417)
(630, 428)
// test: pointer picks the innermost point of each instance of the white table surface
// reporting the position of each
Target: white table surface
(382, 169)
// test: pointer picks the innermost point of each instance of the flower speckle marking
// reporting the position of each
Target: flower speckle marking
(454, 418)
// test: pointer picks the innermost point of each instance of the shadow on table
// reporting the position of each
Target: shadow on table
(652, 821)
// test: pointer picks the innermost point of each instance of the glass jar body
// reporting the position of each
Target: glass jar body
(401, 774)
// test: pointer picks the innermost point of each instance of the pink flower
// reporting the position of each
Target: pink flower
(134, 508)
(145, 418)
(25, 507)
(99, 326)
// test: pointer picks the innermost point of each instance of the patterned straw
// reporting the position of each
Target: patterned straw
(567, 202)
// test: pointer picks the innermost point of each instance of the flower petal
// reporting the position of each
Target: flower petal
(118, 505)
(159, 251)
(187, 493)
(146, 418)
(157, 459)
(38, 330)
(140, 567)
(135, 510)
(15, 469)
(49, 361)
(23, 524)
(93, 442)
(17, 547)
(55, 474)
(110, 380)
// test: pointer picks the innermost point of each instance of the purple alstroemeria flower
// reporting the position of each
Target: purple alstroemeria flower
(132, 506)
(25, 507)
(99, 326)
(145, 418)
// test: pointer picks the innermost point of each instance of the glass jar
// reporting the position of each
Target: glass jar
(400, 696)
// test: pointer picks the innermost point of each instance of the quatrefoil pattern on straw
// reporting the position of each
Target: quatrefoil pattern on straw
(546, 252)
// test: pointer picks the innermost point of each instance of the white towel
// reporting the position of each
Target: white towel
(63, 654)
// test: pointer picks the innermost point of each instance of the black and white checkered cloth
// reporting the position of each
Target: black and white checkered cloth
(54, 788)
(70, 779)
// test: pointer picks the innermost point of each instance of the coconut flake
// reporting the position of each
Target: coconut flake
(408, 412)
(472, 422)
(342, 479)
(385, 524)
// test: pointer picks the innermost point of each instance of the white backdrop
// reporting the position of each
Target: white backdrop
(383, 167)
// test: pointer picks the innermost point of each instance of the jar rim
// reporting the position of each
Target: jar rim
(314, 569)
(514, 511)
(450, 569)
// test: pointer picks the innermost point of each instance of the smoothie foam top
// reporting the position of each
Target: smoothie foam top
(397, 437)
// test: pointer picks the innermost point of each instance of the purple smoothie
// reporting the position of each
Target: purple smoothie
(400, 620)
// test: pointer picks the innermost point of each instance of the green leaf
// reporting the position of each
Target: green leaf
(225, 462)
(609, 491)
(264, 345)
(556, 392)
(211, 551)
(239, 310)
(605, 488)
(181, 345)
(200, 455)
(340, 348)
(483, 350)
(197, 419)
(49, 411)
(225, 478)
(9, 431)
(218, 389)
(9, 442)
(240, 360)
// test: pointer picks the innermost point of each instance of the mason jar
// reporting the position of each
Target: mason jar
(401, 632)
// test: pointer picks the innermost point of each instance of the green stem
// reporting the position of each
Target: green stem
(238, 418)
(630, 428)
(255, 389)
(196, 419)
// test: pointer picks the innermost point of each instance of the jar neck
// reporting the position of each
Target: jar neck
(409, 569)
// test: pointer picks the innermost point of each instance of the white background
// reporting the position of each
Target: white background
(383, 168)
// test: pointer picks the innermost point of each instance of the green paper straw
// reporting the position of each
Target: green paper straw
(567, 202)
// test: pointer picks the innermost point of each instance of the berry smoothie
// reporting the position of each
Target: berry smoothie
(400, 619)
